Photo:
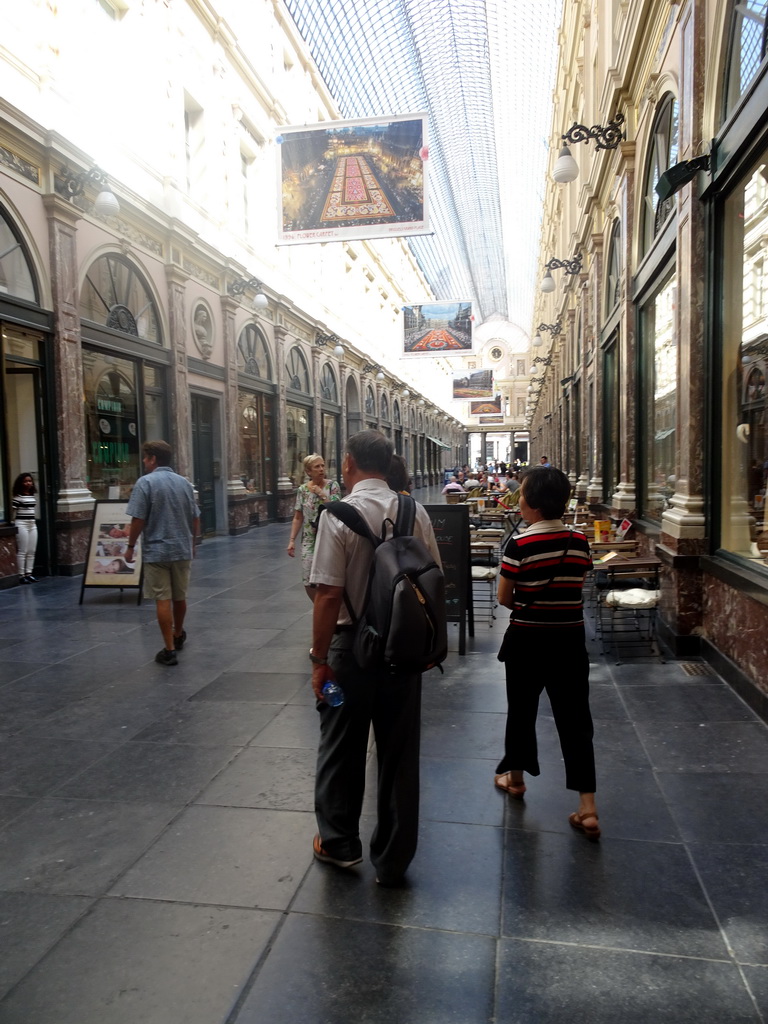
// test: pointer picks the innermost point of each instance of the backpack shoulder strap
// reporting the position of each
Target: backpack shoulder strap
(348, 515)
(406, 516)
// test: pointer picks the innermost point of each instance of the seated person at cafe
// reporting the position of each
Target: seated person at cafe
(453, 485)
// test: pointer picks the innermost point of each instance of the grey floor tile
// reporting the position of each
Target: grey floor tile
(232, 856)
(757, 980)
(545, 983)
(12, 806)
(706, 746)
(652, 673)
(561, 888)
(277, 778)
(210, 725)
(734, 880)
(111, 721)
(131, 961)
(464, 690)
(376, 974)
(30, 925)
(462, 734)
(76, 846)
(686, 702)
(30, 768)
(296, 725)
(720, 808)
(459, 790)
(475, 889)
(280, 687)
(142, 772)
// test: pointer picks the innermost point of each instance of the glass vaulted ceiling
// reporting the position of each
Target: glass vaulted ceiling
(484, 71)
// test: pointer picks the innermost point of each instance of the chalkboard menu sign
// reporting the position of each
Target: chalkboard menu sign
(451, 526)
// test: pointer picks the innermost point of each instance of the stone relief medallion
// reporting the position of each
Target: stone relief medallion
(202, 330)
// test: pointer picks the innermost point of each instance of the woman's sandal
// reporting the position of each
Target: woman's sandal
(576, 820)
(515, 789)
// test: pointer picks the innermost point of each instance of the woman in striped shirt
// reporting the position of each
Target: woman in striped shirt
(24, 510)
(541, 580)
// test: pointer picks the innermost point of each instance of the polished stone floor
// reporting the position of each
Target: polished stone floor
(156, 828)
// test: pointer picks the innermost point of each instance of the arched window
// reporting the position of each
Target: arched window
(662, 155)
(253, 353)
(297, 371)
(116, 295)
(613, 275)
(329, 389)
(746, 50)
(396, 417)
(16, 276)
(370, 401)
(385, 408)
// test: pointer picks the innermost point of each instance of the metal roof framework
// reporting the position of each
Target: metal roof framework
(483, 70)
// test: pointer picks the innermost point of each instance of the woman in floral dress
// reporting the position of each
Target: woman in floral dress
(309, 498)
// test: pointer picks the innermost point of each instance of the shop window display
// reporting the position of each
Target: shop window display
(658, 435)
(745, 366)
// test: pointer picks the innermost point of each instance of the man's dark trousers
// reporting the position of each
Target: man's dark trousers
(392, 703)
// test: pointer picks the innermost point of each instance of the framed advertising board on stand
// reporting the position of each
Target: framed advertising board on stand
(451, 526)
(105, 564)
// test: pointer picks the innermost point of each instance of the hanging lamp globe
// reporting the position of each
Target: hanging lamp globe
(566, 169)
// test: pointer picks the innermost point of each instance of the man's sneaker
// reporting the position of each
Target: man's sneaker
(178, 641)
(166, 657)
(326, 858)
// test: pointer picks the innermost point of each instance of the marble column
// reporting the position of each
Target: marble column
(625, 496)
(74, 502)
(285, 488)
(592, 333)
(240, 503)
(180, 408)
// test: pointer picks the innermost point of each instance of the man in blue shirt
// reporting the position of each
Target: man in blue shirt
(163, 509)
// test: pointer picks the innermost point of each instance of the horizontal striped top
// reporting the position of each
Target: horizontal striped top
(24, 506)
(531, 559)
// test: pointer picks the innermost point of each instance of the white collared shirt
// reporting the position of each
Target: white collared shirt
(343, 558)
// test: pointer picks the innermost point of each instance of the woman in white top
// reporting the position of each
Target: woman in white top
(24, 511)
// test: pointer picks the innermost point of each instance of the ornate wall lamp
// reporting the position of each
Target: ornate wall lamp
(73, 183)
(322, 340)
(570, 266)
(370, 367)
(553, 329)
(544, 361)
(566, 169)
(239, 287)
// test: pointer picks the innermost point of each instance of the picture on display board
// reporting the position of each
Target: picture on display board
(437, 329)
(487, 420)
(485, 408)
(474, 384)
(106, 564)
(353, 179)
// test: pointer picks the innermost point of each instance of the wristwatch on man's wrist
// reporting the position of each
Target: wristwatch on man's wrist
(317, 661)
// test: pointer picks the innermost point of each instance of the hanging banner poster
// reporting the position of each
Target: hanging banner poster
(485, 408)
(437, 329)
(487, 420)
(474, 384)
(353, 179)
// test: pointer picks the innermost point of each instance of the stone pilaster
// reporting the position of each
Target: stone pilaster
(180, 409)
(285, 488)
(594, 493)
(74, 504)
(240, 503)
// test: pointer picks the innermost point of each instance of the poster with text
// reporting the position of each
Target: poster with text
(474, 384)
(485, 408)
(437, 329)
(353, 179)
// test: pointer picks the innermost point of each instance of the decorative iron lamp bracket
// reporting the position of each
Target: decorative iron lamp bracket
(573, 266)
(604, 138)
(243, 284)
(73, 183)
(554, 329)
(370, 367)
(325, 339)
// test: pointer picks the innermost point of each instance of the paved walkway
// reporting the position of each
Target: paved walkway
(156, 827)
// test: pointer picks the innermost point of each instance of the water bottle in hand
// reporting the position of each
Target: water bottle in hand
(333, 694)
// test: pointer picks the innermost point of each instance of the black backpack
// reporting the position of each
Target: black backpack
(402, 626)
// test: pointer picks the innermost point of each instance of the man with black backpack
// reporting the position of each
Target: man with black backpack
(378, 622)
